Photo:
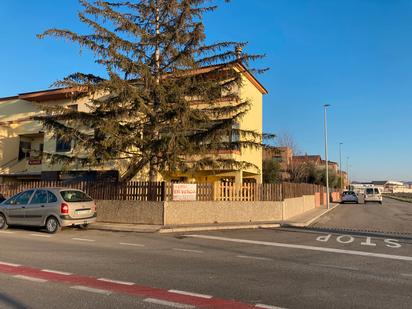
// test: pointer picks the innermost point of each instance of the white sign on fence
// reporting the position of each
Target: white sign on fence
(184, 192)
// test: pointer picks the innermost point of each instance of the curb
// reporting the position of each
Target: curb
(123, 229)
(217, 228)
(400, 199)
(310, 221)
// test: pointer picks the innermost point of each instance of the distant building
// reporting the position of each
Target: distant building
(282, 155)
(315, 159)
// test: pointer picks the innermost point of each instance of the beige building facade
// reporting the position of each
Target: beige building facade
(24, 142)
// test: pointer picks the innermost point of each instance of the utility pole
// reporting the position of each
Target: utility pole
(325, 107)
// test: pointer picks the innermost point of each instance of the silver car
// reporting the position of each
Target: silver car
(349, 197)
(52, 208)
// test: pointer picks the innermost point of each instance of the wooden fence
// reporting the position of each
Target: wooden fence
(162, 191)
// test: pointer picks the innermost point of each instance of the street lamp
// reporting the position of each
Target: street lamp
(347, 170)
(340, 165)
(325, 108)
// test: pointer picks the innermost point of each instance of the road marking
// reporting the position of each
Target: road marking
(116, 281)
(10, 264)
(40, 235)
(190, 294)
(254, 257)
(129, 244)
(268, 306)
(188, 250)
(334, 266)
(83, 239)
(56, 272)
(92, 290)
(33, 279)
(407, 275)
(312, 248)
(167, 303)
(6, 232)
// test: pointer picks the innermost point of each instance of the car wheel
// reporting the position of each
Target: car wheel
(3, 222)
(52, 225)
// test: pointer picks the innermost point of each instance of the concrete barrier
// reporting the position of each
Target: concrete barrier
(178, 213)
(131, 212)
(201, 212)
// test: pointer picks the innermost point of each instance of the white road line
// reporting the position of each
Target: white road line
(253, 257)
(130, 244)
(10, 264)
(92, 290)
(190, 294)
(56, 272)
(6, 232)
(187, 250)
(268, 306)
(407, 275)
(83, 239)
(30, 278)
(312, 248)
(334, 266)
(116, 281)
(40, 235)
(167, 303)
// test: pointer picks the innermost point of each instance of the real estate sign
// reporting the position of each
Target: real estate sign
(184, 192)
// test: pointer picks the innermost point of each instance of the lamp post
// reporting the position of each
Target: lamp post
(325, 108)
(340, 165)
(347, 169)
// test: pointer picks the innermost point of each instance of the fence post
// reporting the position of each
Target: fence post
(164, 195)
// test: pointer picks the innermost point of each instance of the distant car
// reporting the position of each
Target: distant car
(373, 195)
(52, 208)
(349, 197)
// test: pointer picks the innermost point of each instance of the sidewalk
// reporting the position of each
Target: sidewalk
(301, 220)
(308, 217)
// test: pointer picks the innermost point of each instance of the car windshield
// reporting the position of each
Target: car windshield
(369, 191)
(75, 196)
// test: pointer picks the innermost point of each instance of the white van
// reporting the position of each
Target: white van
(372, 195)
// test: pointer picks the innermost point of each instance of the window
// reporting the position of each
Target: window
(63, 145)
(75, 196)
(51, 197)
(24, 150)
(235, 135)
(20, 199)
(369, 191)
(40, 197)
(74, 107)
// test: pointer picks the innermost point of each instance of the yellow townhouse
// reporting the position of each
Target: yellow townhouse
(23, 141)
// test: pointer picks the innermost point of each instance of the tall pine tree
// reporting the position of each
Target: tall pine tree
(168, 102)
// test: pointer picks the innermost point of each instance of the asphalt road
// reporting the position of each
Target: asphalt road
(271, 268)
(392, 217)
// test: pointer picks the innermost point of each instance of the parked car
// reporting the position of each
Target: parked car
(52, 208)
(373, 195)
(349, 197)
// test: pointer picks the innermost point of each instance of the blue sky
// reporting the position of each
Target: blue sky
(354, 54)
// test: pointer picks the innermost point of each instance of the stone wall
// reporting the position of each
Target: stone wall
(201, 212)
(132, 212)
(177, 213)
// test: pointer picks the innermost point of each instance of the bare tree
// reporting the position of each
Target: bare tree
(286, 139)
